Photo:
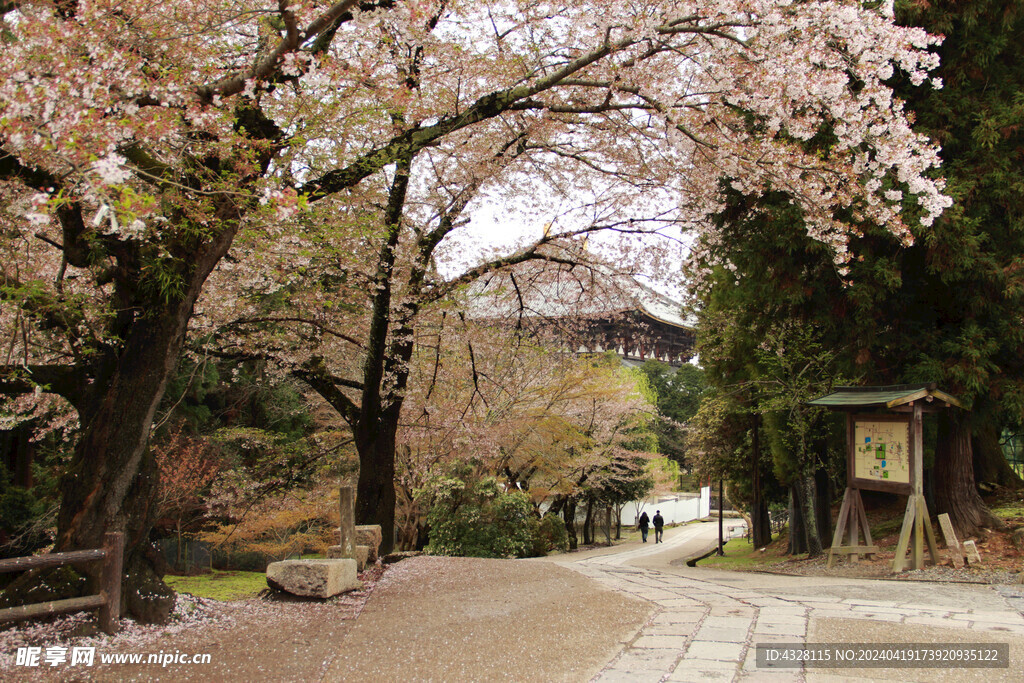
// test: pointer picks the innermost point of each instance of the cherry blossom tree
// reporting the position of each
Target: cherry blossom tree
(142, 146)
(521, 409)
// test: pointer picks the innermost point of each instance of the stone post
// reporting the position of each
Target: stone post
(347, 530)
(956, 553)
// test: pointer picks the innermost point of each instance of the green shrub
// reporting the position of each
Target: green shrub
(551, 535)
(479, 521)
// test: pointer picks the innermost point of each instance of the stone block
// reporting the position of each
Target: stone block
(973, 556)
(313, 578)
(362, 552)
(362, 556)
(370, 535)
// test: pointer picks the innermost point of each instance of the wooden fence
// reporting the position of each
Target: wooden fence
(108, 600)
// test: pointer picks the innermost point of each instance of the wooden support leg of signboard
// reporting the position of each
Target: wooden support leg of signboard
(863, 515)
(901, 545)
(916, 532)
(854, 522)
(917, 539)
(851, 515)
(837, 537)
(929, 532)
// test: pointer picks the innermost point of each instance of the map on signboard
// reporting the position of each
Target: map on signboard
(882, 451)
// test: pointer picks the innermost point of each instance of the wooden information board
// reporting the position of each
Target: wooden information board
(881, 452)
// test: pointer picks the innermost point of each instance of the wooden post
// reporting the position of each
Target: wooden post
(901, 545)
(863, 515)
(917, 483)
(917, 526)
(347, 528)
(110, 582)
(854, 531)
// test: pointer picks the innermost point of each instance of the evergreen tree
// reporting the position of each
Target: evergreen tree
(946, 309)
(962, 291)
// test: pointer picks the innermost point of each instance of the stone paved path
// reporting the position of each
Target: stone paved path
(708, 623)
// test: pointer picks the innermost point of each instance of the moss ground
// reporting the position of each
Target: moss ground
(220, 585)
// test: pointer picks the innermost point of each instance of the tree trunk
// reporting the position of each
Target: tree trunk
(823, 503)
(375, 442)
(569, 516)
(990, 465)
(112, 480)
(955, 491)
(797, 537)
(760, 524)
(18, 451)
(588, 522)
(805, 498)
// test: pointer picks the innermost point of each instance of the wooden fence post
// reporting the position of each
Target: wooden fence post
(110, 582)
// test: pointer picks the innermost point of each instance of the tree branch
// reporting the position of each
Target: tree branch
(63, 380)
(265, 69)
(315, 374)
(296, 319)
(408, 143)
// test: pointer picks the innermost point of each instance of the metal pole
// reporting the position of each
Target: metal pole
(721, 489)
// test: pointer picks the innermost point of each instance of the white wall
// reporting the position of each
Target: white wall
(675, 508)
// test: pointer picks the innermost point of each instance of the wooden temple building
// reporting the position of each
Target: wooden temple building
(591, 314)
(649, 327)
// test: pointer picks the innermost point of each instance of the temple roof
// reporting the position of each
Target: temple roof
(593, 291)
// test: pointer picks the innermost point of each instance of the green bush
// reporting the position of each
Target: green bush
(550, 535)
(482, 520)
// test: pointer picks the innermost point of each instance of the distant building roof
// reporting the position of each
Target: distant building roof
(602, 292)
(661, 307)
(610, 309)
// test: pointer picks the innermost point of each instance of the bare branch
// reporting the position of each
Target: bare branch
(296, 319)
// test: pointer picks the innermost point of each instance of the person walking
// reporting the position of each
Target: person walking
(659, 525)
(644, 523)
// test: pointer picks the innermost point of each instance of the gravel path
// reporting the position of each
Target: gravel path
(427, 618)
(461, 619)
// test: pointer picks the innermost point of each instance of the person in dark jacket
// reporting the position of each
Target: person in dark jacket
(644, 523)
(659, 526)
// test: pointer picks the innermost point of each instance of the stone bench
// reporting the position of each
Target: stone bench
(314, 578)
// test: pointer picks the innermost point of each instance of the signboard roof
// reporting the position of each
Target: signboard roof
(883, 397)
